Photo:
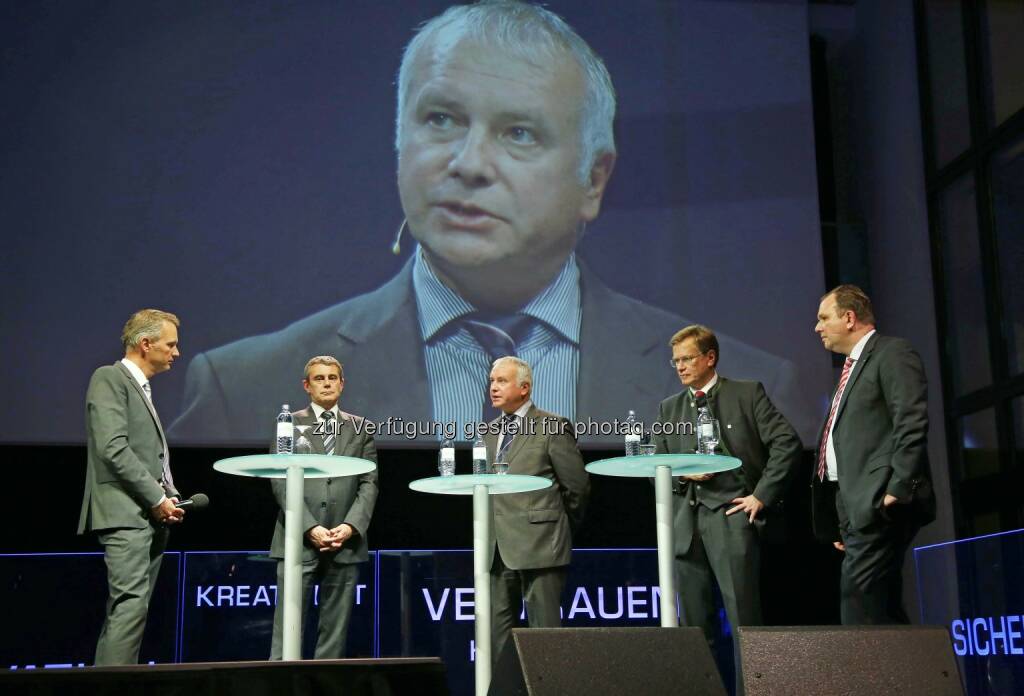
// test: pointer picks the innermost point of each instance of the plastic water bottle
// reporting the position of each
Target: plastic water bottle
(446, 458)
(633, 429)
(705, 431)
(479, 456)
(285, 431)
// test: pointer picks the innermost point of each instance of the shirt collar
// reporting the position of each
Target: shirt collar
(318, 410)
(136, 372)
(859, 348)
(707, 387)
(524, 409)
(557, 305)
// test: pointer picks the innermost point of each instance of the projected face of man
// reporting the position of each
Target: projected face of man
(487, 168)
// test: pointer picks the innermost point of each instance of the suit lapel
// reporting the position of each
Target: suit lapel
(385, 356)
(858, 368)
(145, 399)
(346, 431)
(621, 337)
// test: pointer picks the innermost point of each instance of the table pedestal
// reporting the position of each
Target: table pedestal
(481, 487)
(294, 468)
(663, 467)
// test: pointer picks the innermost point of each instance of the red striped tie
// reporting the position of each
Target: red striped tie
(822, 466)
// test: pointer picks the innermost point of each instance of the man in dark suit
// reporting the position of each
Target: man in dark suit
(872, 458)
(717, 516)
(336, 511)
(532, 531)
(486, 196)
(129, 492)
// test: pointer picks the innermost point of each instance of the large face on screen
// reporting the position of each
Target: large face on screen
(488, 158)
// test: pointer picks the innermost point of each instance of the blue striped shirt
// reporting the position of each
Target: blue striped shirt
(458, 368)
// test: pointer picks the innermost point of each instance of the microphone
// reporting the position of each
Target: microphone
(396, 248)
(200, 501)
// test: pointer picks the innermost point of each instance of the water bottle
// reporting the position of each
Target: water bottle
(446, 458)
(705, 431)
(285, 431)
(479, 456)
(633, 429)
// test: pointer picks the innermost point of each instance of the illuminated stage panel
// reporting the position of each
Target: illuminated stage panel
(425, 601)
(52, 606)
(228, 608)
(975, 588)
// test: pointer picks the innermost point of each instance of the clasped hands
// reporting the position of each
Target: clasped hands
(324, 539)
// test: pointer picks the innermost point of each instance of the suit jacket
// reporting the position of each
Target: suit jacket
(753, 431)
(534, 530)
(232, 393)
(333, 501)
(880, 434)
(126, 452)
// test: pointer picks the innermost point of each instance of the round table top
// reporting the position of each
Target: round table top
(463, 484)
(276, 465)
(681, 464)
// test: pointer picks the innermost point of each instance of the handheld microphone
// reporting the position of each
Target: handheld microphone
(200, 501)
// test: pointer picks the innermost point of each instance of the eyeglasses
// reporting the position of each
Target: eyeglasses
(685, 360)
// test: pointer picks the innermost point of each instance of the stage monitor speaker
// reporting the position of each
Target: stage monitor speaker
(848, 660)
(606, 662)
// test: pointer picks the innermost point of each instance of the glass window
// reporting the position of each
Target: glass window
(979, 444)
(1002, 28)
(948, 78)
(965, 293)
(1008, 212)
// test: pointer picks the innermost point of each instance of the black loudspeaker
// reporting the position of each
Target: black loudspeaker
(848, 660)
(606, 661)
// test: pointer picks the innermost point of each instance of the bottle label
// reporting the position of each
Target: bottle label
(632, 437)
(447, 454)
(705, 431)
(479, 453)
(284, 429)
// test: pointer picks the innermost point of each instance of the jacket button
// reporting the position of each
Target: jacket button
(692, 503)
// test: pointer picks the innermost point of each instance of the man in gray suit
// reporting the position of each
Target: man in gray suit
(872, 458)
(532, 531)
(505, 144)
(336, 511)
(129, 492)
(718, 516)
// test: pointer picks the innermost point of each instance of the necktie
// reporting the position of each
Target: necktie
(149, 391)
(510, 426)
(823, 450)
(499, 336)
(330, 431)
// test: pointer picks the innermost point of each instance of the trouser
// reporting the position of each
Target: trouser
(133, 558)
(540, 588)
(335, 598)
(871, 578)
(725, 549)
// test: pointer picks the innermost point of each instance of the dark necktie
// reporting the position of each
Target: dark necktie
(330, 431)
(499, 336)
(510, 426)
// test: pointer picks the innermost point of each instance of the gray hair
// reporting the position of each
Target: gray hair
(524, 375)
(145, 323)
(524, 31)
(328, 360)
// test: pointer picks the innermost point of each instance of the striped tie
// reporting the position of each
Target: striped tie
(823, 451)
(330, 432)
(510, 426)
(499, 336)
